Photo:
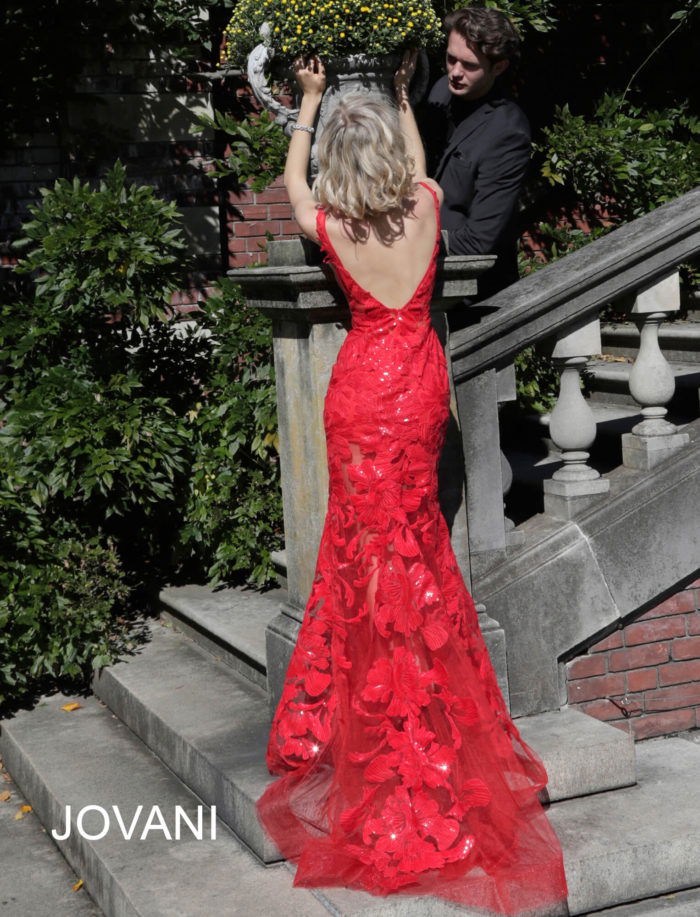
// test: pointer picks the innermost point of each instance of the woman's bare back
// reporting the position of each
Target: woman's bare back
(388, 257)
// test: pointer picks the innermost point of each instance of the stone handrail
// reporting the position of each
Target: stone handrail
(576, 287)
(558, 306)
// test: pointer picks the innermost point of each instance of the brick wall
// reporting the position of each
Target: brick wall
(132, 105)
(645, 677)
(253, 217)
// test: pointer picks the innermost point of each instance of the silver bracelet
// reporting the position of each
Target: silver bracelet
(303, 127)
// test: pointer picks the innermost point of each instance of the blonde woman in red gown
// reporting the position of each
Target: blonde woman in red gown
(400, 768)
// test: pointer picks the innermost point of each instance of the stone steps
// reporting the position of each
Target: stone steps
(618, 845)
(210, 728)
(582, 755)
(228, 623)
(679, 340)
(677, 904)
(205, 722)
(35, 880)
(89, 757)
(611, 385)
(639, 842)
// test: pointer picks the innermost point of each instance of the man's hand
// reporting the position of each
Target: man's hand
(311, 75)
(406, 71)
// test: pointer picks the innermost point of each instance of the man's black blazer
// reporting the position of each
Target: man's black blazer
(481, 169)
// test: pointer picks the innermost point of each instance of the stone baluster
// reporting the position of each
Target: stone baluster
(651, 380)
(572, 426)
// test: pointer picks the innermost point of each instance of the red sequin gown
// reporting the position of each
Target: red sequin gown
(401, 770)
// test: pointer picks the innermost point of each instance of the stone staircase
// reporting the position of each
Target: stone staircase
(184, 721)
(526, 443)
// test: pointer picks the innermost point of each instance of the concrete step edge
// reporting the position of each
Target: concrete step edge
(636, 843)
(89, 758)
(202, 760)
(229, 623)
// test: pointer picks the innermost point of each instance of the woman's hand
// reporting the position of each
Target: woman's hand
(311, 75)
(406, 71)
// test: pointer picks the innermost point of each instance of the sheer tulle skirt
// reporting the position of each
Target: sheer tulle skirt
(400, 768)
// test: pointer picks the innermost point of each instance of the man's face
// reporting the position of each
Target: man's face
(470, 74)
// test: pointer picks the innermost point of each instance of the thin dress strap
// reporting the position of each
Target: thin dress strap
(437, 206)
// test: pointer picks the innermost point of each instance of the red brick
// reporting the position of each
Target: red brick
(592, 688)
(677, 672)
(659, 724)
(291, 228)
(693, 623)
(673, 697)
(622, 725)
(280, 211)
(586, 666)
(253, 212)
(642, 679)
(237, 245)
(612, 642)
(601, 710)
(272, 196)
(686, 648)
(257, 245)
(638, 657)
(651, 631)
(257, 228)
(238, 198)
(676, 604)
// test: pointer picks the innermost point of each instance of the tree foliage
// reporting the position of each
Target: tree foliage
(135, 448)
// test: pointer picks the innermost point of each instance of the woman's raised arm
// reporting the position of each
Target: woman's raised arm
(311, 77)
(414, 144)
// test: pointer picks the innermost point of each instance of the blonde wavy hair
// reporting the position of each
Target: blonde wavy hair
(364, 169)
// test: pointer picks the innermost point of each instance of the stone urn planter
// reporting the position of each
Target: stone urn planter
(357, 72)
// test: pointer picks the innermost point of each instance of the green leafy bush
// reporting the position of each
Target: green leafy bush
(624, 158)
(539, 15)
(114, 252)
(257, 148)
(233, 516)
(60, 594)
(135, 448)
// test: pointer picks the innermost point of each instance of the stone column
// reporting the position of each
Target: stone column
(572, 426)
(310, 320)
(651, 381)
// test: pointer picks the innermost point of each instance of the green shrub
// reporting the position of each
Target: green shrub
(257, 148)
(135, 449)
(233, 516)
(625, 159)
(538, 15)
(110, 253)
(60, 594)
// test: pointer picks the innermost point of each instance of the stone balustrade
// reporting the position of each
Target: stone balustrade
(557, 308)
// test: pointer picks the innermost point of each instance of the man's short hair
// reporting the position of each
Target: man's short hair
(488, 30)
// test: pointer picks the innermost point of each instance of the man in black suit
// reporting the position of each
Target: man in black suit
(478, 145)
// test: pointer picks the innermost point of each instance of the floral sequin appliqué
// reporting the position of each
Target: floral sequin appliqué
(400, 768)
